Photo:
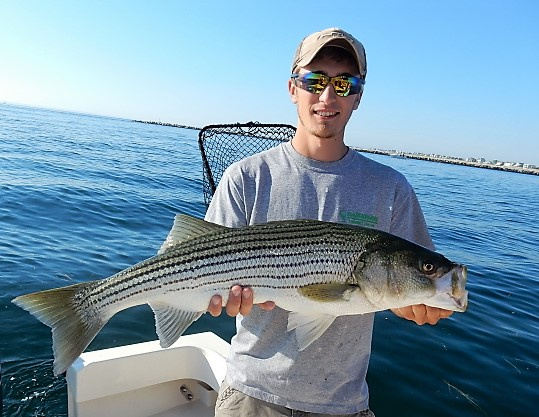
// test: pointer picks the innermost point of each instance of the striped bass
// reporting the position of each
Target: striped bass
(315, 270)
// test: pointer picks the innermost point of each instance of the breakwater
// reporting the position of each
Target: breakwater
(167, 124)
(496, 165)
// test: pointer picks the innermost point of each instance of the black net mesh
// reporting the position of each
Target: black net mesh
(221, 145)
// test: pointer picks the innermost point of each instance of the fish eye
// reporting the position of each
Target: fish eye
(427, 267)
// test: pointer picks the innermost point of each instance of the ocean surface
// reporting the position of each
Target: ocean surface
(83, 196)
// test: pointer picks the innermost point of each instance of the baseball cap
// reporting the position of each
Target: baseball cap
(312, 44)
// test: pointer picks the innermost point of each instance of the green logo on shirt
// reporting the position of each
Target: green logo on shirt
(359, 219)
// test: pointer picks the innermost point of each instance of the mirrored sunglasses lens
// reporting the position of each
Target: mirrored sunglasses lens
(342, 85)
(315, 83)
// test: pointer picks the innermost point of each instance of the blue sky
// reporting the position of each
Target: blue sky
(453, 77)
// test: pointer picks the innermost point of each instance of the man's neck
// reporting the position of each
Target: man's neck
(319, 149)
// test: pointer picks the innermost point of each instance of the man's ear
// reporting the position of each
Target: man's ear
(292, 90)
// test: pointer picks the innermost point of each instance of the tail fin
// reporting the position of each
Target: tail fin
(73, 327)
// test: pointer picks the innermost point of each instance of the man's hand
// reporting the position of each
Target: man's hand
(240, 300)
(421, 314)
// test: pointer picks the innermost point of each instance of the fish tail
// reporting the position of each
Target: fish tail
(73, 328)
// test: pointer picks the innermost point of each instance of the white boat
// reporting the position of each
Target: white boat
(145, 380)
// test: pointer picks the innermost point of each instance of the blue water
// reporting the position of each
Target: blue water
(84, 196)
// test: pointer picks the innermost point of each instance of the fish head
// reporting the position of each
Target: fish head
(397, 273)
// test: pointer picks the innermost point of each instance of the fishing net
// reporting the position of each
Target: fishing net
(221, 145)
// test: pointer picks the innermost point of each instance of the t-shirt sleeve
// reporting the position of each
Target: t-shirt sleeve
(408, 220)
(227, 206)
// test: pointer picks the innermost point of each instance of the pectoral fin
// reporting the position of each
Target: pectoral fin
(171, 322)
(308, 327)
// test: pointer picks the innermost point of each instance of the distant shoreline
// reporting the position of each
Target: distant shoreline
(499, 166)
(167, 124)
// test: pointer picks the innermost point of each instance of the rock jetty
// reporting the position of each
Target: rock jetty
(166, 124)
(520, 168)
(517, 167)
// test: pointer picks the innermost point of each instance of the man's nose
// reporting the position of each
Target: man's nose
(328, 94)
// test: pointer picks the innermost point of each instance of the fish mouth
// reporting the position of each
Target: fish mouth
(451, 291)
(459, 276)
(461, 303)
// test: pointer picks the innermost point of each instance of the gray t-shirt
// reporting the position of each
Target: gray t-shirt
(280, 184)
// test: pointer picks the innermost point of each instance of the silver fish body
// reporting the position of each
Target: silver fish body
(315, 270)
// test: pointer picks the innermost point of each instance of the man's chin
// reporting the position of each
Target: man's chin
(326, 132)
(323, 130)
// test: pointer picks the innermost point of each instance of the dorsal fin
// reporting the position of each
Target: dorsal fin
(187, 227)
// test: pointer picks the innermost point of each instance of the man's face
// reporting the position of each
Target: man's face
(325, 115)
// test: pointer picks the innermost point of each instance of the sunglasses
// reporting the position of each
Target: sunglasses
(315, 83)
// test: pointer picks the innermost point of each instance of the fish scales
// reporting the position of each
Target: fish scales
(208, 254)
(204, 263)
(315, 270)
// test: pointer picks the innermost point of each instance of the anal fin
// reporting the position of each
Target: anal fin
(171, 322)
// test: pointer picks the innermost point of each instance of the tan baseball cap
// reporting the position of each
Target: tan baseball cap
(312, 44)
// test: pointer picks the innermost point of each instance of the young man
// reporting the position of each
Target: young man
(314, 176)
